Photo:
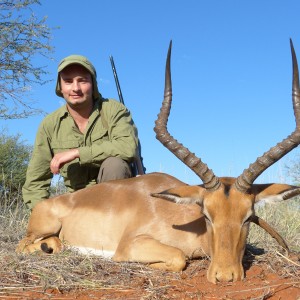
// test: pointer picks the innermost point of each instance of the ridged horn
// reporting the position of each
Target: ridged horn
(246, 179)
(210, 181)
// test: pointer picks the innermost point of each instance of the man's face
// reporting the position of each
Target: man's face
(76, 86)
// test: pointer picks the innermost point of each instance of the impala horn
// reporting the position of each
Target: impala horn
(210, 181)
(246, 179)
(273, 233)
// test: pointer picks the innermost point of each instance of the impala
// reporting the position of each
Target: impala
(140, 219)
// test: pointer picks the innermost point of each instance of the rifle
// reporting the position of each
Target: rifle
(138, 164)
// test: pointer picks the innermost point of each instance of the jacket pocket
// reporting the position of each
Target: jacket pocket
(99, 137)
(60, 146)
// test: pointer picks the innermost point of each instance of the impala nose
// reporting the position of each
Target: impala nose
(229, 273)
(226, 276)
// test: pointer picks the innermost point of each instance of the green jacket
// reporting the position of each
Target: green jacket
(110, 132)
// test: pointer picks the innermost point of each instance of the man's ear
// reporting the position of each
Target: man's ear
(183, 194)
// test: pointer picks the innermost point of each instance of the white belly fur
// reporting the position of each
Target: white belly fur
(91, 251)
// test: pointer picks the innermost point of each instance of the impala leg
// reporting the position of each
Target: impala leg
(145, 249)
(50, 245)
(43, 228)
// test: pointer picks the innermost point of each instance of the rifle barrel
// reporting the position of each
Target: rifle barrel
(138, 164)
(116, 80)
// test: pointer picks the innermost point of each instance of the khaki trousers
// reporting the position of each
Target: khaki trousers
(114, 168)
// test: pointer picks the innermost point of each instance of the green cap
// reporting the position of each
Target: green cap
(84, 62)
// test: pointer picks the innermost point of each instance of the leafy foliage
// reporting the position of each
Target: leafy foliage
(14, 158)
(23, 38)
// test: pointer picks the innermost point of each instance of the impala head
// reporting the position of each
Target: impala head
(226, 203)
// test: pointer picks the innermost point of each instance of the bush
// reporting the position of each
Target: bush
(14, 159)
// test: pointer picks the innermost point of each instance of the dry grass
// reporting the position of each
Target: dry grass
(65, 272)
(285, 218)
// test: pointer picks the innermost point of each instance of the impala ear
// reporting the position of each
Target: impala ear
(182, 195)
(274, 192)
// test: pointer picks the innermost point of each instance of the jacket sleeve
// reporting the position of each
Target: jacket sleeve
(38, 177)
(122, 133)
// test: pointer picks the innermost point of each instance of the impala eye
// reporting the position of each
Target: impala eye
(248, 220)
(207, 219)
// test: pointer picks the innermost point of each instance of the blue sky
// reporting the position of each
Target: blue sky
(231, 73)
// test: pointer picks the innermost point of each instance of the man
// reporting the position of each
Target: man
(88, 140)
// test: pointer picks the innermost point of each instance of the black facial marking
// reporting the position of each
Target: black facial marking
(227, 188)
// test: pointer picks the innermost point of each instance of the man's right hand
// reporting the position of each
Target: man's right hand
(62, 158)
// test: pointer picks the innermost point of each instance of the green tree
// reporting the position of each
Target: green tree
(23, 39)
(14, 158)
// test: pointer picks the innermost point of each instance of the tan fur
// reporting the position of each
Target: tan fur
(123, 217)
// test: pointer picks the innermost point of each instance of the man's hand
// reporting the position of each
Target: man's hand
(61, 158)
